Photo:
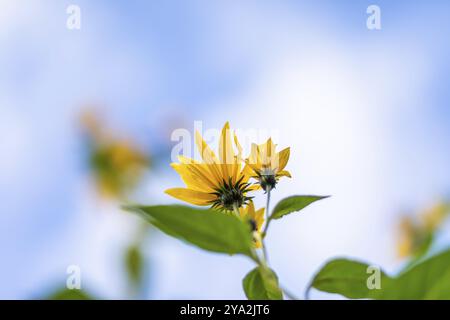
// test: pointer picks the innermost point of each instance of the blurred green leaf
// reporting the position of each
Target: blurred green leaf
(428, 279)
(134, 263)
(440, 290)
(262, 284)
(67, 294)
(348, 278)
(425, 243)
(293, 203)
(207, 229)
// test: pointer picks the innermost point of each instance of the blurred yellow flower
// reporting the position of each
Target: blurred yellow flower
(219, 182)
(407, 234)
(433, 217)
(267, 165)
(256, 220)
(117, 167)
(416, 234)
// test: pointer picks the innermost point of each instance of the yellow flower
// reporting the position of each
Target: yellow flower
(416, 233)
(267, 165)
(434, 216)
(219, 182)
(256, 220)
(118, 166)
(406, 238)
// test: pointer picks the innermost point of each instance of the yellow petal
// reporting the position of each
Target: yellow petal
(209, 157)
(254, 155)
(238, 146)
(191, 196)
(251, 208)
(284, 173)
(254, 187)
(226, 153)
(269, 146)
(254, 168)
(193, 177)
(238, 159)
(205, 151)
(267, 151)
(259, 218)
(248, 171)
(187, 160)
(201, 170)
(282, 158)
(243, 211)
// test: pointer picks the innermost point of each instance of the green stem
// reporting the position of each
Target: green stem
(256, 258)
(264, 261)
(266, 227)
(236, 210)
(263, 235)
(268, 203)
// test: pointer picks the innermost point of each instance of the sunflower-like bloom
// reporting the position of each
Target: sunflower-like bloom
(220, 182)
(267, 165)
(256, 220)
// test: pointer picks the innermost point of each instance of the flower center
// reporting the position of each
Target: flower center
(267, 179)
(230, 195)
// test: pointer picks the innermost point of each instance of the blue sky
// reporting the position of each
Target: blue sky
(365, 112)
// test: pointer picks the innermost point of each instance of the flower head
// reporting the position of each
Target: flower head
(117, 164)
(219, 182)
(267, 165)
(256, 220)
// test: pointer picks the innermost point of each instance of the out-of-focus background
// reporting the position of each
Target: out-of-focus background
(86, 117)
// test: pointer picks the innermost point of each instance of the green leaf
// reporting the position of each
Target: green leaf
(429, 279)
(441, 289)
(425, 242)
(293, 203)
(67, 294)
(262, 284)
(348, 278)
(207, 229)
